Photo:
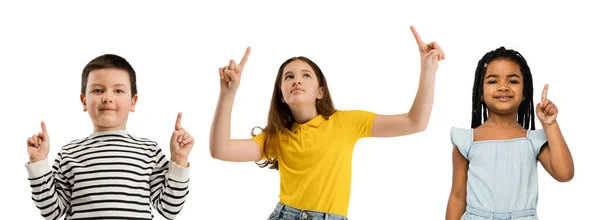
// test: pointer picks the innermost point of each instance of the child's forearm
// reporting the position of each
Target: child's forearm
(50, 200)
(456, 208)
(561, 161)
(420, 111)
(221, 126)
(169, 196)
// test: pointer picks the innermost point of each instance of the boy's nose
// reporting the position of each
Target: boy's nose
(106, 99)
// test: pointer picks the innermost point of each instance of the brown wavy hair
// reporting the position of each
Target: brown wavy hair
(280, 116)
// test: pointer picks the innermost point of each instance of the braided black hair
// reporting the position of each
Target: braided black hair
(526, 112)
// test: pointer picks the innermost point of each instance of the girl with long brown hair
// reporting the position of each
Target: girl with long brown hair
(307, 139)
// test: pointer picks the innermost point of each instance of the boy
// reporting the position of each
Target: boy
(110, 174)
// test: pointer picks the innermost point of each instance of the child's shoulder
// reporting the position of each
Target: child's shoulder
(538, 133)
(141, 139)
(461, 136)
(538, 137)
(460, 130)
(147, 143)
(74, 143)
(352, 113)
(96, 139)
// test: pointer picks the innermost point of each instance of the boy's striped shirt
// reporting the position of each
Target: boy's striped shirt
(109, 175)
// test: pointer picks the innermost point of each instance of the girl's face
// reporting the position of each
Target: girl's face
(503, 86)
(299, 84)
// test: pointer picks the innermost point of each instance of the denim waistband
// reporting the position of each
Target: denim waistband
(497, 215)
(306, 214)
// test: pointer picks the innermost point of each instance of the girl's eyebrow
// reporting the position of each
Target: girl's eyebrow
(496, 75)
(304, 70)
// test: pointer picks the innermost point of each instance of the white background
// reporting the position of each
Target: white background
(367, 53)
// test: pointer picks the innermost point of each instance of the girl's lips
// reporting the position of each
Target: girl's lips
(503, 98)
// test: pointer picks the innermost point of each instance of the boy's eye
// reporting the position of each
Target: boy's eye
(120, 91)
(97, 91)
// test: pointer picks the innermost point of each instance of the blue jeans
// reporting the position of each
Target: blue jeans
(475, 214)
(284, 212)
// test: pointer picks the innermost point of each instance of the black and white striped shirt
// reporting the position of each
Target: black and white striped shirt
(109, 175)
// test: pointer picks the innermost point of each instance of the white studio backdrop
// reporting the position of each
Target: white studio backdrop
(367, 53)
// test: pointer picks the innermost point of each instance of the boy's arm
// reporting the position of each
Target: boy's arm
(169, 184)
(51, 192)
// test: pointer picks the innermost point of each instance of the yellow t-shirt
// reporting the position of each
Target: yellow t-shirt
(315, 160)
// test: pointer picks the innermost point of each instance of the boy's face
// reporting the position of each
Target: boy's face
(108, 99)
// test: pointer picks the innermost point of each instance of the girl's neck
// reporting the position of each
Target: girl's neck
(303, 114)
(503, 121)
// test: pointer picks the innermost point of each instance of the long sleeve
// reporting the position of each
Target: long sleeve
(50, 189)
(169, 184)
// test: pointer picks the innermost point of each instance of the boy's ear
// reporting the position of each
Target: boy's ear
(82, 98)
(133, 101)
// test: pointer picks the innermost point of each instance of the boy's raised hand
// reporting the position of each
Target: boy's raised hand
(38, 145)
(181, 144)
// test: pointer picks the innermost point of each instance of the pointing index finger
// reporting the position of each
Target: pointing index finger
(44, 127)
(245, 58)
(178, 122)
(545, 92)
(417, 36)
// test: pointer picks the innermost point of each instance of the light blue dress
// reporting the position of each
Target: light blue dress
(502, 181)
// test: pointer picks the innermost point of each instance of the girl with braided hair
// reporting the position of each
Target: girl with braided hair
(495, 162)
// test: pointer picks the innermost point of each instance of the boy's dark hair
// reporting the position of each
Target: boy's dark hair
(526, 112)
(108, 61)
